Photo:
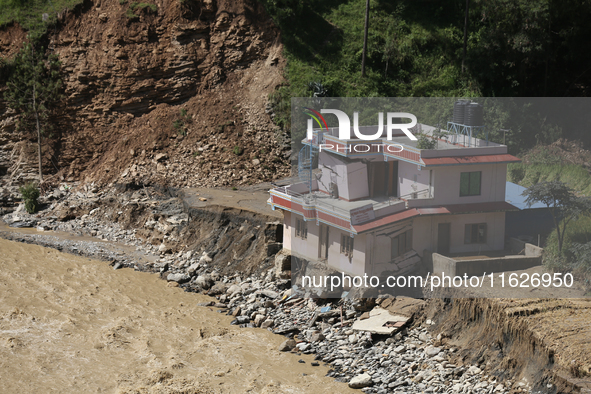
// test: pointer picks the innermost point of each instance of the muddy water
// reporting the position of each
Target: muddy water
(73, 325)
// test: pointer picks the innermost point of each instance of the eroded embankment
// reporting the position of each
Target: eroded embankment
(209, 248)
(543, 342)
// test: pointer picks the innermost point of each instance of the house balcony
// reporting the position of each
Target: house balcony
(322, 207)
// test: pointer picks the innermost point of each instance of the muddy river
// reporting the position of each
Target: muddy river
(73, 325)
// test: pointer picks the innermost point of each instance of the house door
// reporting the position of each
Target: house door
(443, 238)
(392, 178)
(323, 242)
(377, 175)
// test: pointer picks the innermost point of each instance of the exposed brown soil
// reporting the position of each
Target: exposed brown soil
(127, 81)
(528, 340)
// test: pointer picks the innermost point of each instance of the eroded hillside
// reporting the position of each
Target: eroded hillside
(173, 92)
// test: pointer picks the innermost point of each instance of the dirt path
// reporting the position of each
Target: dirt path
(252, 198)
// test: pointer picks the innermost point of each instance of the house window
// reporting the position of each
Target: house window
(401, 244)
(301, 229)
(475, 233)
(470, 183)
(347, 245)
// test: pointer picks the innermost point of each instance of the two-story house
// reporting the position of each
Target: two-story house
(376, 208)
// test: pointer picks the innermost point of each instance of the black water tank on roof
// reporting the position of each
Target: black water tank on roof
(474, 115)
(459, 111)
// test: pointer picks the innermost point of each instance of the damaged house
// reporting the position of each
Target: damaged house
(374, 207)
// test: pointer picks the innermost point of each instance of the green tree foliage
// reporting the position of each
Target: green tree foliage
(564, 205)
(33, 90)
(526, 48)
(30, 193)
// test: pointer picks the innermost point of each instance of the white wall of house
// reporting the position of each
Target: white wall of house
(341, 262)
(306, 248)
(425, 230)
(411, 179)
(357, 181)
(446, 182)
(351, 177)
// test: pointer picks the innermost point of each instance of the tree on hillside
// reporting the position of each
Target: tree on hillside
(33, 90)
(365, 32)
(564, 205)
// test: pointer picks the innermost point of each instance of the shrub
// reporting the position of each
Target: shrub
(237, 150)
(516, 172)
(30, 193)
(425, 142)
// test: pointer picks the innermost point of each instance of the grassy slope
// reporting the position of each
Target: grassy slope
(410, 52)
(29, 13)
(548, 164)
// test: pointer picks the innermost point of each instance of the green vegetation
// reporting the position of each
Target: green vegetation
(131, 15)
(34, 91)
(425, 142)
(576, 251)
(237, 150)
(573, 175)
(30, 193)
(542, 164)
(29, 13)
(181, 124)
(568, 249)
(415, 49)
(140, 6)
(134, 6)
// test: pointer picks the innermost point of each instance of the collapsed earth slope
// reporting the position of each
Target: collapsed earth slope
(167, 92)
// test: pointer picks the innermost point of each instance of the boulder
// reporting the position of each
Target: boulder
(267, 323)
(283, 265)
(205, 259)
(204, 281)
(287, 345)
(360, 381)
(193, 268)
(218, 288)
(432, 351)
(179, 278)
(233, 289)
(270, 293)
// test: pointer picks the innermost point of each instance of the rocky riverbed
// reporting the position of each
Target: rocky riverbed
(409, 361)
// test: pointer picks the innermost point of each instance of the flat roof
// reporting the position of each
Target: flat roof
(462, 160)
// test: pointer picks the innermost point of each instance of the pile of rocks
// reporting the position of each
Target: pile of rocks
(407, 362)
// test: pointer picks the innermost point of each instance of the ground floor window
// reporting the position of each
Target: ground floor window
(347, 245)
(301, 229)
(401, 244)
(475, 233)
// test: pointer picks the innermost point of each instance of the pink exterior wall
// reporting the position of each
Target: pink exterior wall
(340, 262)
(351, 178)
(308, 248)
(425, 232)
(411, 179)
(446, 182)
